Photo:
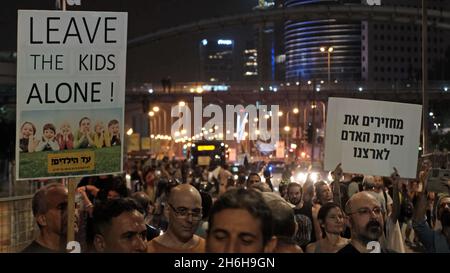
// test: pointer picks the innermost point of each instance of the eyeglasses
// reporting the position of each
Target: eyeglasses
(366, 211)
(183, 212)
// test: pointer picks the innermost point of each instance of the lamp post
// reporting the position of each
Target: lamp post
(328, 50)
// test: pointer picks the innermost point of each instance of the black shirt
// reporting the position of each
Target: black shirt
(304, 219)
(35, 247)
(351, 249)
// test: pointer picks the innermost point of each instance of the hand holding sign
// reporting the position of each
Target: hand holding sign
(395, 178)
(337, 173)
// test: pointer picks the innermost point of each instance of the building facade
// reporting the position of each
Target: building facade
(364, 50)
(303, 41)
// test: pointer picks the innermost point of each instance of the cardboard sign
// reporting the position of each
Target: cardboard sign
(70, 93)
(371, 137)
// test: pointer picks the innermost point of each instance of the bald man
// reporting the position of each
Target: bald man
(50, 212)
(366, 224)
(184, 214)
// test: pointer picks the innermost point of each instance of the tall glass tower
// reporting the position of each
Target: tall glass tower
(303, 41)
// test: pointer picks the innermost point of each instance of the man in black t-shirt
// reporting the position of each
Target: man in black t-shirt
(303, 215)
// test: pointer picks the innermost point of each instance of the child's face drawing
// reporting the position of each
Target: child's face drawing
(27, 130)
(49, 134)
(65, 128)
(85, 125)
(99, 128)
(114, 129)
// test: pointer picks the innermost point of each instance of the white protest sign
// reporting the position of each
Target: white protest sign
(371, 137)
(70, 93)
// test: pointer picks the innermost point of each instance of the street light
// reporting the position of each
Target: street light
(328, 50)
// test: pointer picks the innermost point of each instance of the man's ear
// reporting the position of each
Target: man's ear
(41, 219)
(271, 245)
(99, 243)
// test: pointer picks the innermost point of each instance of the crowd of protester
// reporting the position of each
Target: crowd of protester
(169, 206)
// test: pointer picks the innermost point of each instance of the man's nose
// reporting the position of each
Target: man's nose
(231, 247)
(141, 245)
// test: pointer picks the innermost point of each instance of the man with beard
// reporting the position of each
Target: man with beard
(49, 206)
(185, 212)
(366, 223)
(435, 241)
(303, 215)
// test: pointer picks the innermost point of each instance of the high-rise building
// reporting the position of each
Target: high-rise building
(392, 52)
(303, 41)
(217, 60)
(250, 61)
(364, 50)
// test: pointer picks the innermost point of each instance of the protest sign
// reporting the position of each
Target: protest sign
(70, 93)
(371, 137)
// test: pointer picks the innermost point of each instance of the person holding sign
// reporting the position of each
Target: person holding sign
(84, 137)
(50, 212)
(435, 241)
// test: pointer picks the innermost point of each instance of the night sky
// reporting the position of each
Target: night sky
(177, 56)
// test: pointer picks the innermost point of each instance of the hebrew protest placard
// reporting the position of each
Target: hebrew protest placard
(70, 93)
(371, 137)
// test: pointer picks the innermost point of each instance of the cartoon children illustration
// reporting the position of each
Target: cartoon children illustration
(114, 132)
(84, 137)
(48, 142)
(101, 137)
(65, 137)
(27, 143)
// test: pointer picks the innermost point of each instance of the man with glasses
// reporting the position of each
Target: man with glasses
(185, 212)
(50, 211)
(366, 224)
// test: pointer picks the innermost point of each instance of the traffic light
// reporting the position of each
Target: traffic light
(310, 133)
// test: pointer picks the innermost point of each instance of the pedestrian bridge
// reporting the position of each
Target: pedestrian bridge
(283, 93)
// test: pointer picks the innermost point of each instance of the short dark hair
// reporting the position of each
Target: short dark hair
(293, 184)
(249, 200)
(49, 126)
(143, 200)
(323, 212)
(283, 219)
(251, 174)
(81, 120)
(104, 212)
(112, 122)
(39, 202)
(317, 187)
